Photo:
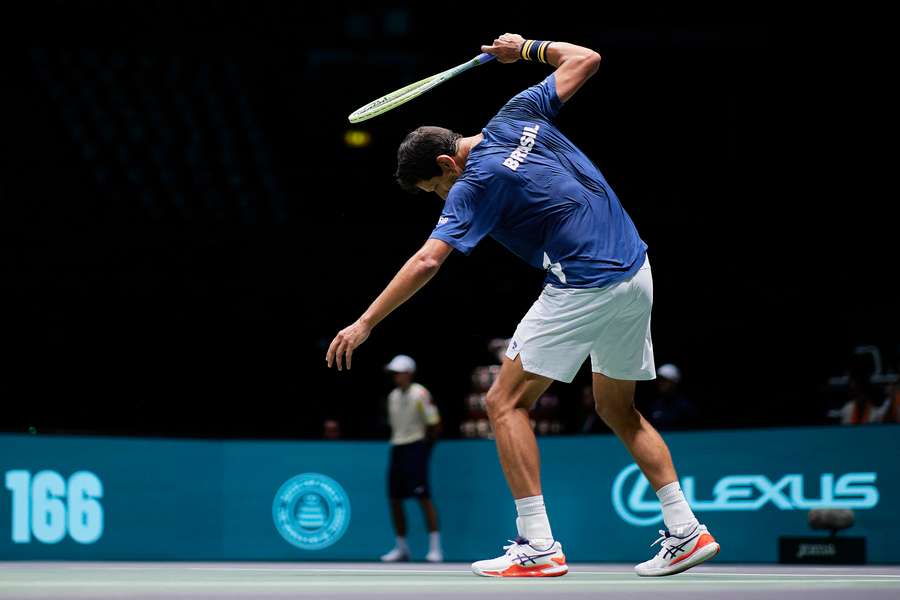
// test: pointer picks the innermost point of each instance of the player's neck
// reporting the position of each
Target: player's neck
(464, 146)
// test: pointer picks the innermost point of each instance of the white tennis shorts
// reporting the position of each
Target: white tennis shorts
(610, 324)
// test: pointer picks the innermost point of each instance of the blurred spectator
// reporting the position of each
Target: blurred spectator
(892, 407)
(892, 412)
(669, 409)
(497, 347)
(545, 419)
(331, 429)
(475, 423)
(864, 405)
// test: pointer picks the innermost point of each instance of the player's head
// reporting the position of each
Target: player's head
(427, 160)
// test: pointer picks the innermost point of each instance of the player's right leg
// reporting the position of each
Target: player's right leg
(685, 542)
(534, 552)
(623, 354)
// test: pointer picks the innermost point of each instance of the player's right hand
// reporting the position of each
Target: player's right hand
(345, 342)
(506, 48)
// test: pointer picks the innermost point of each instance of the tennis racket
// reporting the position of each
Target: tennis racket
(414, 90)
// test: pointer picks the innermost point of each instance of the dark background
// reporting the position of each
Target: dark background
(184, 228)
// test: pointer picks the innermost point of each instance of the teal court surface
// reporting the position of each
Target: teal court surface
(100, 581)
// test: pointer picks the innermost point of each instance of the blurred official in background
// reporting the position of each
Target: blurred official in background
(669, 409)
(415, 425)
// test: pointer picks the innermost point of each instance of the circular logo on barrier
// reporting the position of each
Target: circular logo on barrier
(311, 511)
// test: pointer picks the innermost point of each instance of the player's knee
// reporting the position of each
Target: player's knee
(618, 416)
(498, 403)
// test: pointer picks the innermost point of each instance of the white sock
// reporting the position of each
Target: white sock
(434, 541)
(401, 544)
(533, 523)
(677, 513)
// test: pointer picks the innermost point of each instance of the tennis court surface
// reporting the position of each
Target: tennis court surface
(100, 581)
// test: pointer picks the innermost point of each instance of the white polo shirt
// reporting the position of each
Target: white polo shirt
(409, 412)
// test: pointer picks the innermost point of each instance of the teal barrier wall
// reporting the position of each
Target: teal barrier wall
(125, 499)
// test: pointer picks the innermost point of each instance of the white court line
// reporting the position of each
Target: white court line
(717, 574)
(303, 570)
(436, 572)
(369, 584)
(292, 568)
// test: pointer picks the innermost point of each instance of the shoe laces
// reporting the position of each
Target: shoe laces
(667, 541)
(664, 535)
(515, 543)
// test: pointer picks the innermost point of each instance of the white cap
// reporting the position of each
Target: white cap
(670, 372)
(401, 364)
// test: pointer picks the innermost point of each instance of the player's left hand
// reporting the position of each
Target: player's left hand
(506, 47)
(345, 342)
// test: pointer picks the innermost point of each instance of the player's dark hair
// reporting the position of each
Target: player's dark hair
(416, 157)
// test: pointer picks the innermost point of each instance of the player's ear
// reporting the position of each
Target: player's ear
(447, 164)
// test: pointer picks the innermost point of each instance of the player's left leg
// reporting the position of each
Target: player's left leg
(508, 401)
(533, 553)
(686, 542)
(549, 344)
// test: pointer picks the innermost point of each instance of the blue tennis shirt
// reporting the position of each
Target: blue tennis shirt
(527, 186)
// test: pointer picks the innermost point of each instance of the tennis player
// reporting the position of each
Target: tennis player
(522, 182)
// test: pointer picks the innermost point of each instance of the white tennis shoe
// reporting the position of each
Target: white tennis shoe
(395, 555)
(523, 560)
(679, 553)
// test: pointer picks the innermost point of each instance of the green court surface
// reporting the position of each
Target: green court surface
(100, 581)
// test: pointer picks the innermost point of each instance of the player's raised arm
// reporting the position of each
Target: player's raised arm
(574, 64)
(417, 271)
